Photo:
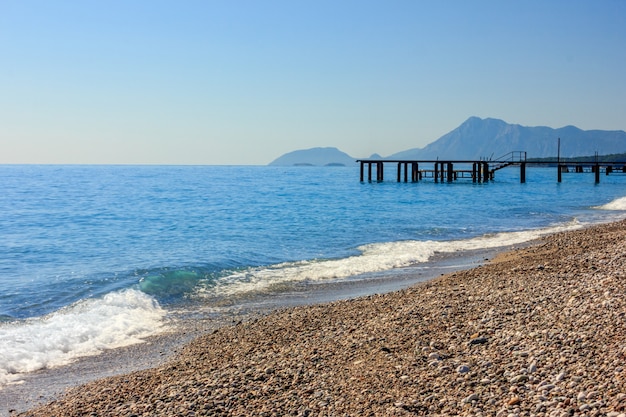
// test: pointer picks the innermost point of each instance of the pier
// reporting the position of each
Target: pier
(478, 171)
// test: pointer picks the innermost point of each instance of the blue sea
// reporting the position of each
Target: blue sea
(99, 257)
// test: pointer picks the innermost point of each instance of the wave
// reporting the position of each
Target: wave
(85, 328)
(617, 204)
(170, 285)
(126, 317)
(373, 258)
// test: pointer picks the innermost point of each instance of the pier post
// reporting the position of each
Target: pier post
(369, 171)
(436, 174)
(485, 172)
(597, 166)
(450, 172)
(415, 174)
(399, 171)
(474, 172)
(362, 163)
(559, 175)
(522, 172)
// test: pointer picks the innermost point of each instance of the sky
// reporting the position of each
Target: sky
(241, 82)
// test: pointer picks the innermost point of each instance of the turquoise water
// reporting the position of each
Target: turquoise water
(93, 257)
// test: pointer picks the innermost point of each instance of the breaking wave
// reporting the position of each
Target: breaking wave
(85, 328)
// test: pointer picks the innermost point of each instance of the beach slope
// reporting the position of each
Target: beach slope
(537, 331)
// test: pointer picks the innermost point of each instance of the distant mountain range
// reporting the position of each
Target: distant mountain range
(478, 138)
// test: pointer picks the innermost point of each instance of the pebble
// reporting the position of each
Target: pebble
(470, 398)
(463, 369)
(478, 341)
(519, 378)
(513, 401)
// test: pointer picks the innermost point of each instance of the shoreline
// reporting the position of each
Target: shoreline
(539, 330)
(39, 387)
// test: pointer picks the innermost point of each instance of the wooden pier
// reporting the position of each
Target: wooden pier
(478, 171)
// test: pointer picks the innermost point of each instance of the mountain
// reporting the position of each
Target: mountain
(315, 157)
(478, 138)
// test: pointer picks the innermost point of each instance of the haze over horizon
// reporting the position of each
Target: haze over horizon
(222, 82)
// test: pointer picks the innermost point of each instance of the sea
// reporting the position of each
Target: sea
(98, 257)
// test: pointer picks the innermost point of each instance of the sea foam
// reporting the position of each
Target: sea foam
(617, 204)
(375, 257)
(82, 329)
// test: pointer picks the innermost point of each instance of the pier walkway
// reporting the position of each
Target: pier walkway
(478, 171)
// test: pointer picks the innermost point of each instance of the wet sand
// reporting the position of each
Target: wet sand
(538, 331)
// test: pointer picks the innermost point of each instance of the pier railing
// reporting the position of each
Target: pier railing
(511, 158)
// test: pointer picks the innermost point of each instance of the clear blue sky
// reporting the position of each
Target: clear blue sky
(242, 82)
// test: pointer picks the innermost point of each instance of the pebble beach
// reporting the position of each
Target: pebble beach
(538, 331)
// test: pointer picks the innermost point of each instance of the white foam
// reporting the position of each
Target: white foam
(617, 204)
(374, 257)
(85, 328)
